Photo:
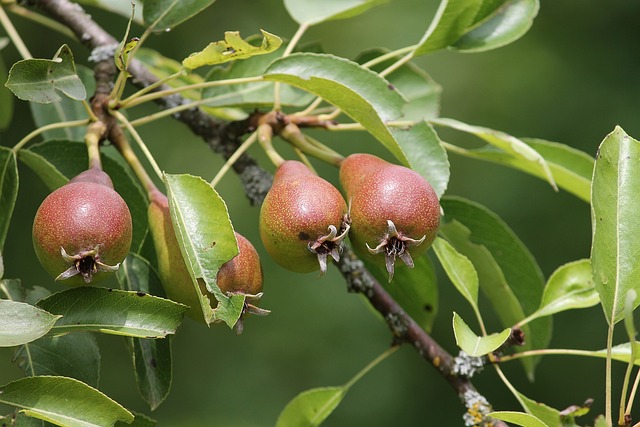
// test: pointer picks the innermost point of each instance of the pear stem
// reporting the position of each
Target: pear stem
(292, 134)
(119, 140)
(93, 136)
(265, 136)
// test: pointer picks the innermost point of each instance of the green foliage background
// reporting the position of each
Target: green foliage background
(571, 79)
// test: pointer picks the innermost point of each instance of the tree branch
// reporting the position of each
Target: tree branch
(224, 139)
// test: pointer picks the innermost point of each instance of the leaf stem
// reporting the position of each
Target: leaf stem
(122, 119)
(52, 126)
(13, 35)
(399, 63)
(547, 352)
(292, 134)
(511, 388)
(388, 352)
(150, 87)
(235, 156)
(389, 55)
(632, 395)
(608, 387)
(202, 85)
(292, 44)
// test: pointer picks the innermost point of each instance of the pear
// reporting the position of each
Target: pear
(82, 231)
(394, 211)
(302, 219)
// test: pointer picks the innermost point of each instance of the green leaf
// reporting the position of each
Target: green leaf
(518, 418)
(140, 420)
(72, 355)
(38, 80)
(415, 289)
(460, 270)
(422, 92)
(601, 421)
(474, 345)
(509, 275)
(55, 162)
(64, 110)
(621, 352)
(451, 21)
(569, 287)
(23, 323)
(63, 401)
(151, 358)
(311, 407)
(370, 100)
(152, 363)
(6, 99)
(548, 415)
(251, 95)
(507, 143)
(310, 12)
(571, 169)
(206, 238)
(231, 48)
(614, 211)
(113, 311)
(8, 190)
(166, 14)
(498, 23)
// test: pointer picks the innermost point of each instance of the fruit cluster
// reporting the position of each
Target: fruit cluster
(393, 213)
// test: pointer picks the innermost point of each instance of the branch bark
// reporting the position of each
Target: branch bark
(224, 139)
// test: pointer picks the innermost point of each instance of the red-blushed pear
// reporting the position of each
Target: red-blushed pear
(394, 211)
(82, 231)
(302, 219)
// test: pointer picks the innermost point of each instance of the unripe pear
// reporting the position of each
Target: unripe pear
(394, 211)
(82, 231)
(302, 219)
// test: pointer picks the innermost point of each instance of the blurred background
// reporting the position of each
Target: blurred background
(572, 78)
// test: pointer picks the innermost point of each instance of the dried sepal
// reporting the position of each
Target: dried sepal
(85, 263)
(395, 244)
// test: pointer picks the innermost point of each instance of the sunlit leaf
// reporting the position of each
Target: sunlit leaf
(55, 162)
(166, 14)
(460, 270)
(163, 67)
(251, 95)
(231, 48)
(113, 311)
(310, 12)
(451, 21)
(518, 418)
(8, 190)
(506, 143)
(38, 80)
(370, 100)
(569, 287)
(23, 323)
(63, 401)
(499, 23)
(206, 238)
(65, 110)
(72, 355)
(614, 213)
(509, 275)
(473, 344)
(571, 169)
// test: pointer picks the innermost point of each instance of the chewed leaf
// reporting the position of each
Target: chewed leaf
(231, 48)
(474, 345)
(39, 80)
